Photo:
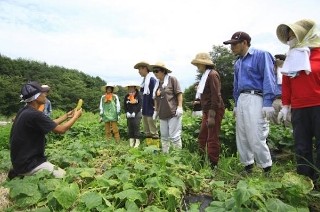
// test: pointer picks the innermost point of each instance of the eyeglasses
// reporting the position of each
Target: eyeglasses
(156, 70)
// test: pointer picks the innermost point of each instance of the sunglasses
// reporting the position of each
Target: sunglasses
(156, 70)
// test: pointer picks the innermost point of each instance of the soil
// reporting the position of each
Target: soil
(4, 193)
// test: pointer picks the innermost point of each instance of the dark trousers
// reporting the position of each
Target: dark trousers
(209, 137)
(134, 127)
(306, 127)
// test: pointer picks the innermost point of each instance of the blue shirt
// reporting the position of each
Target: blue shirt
(254, 71)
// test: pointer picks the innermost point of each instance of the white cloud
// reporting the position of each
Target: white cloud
(106, 38)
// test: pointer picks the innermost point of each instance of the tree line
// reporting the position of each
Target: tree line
(69, 85)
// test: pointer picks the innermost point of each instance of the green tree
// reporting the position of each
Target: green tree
(223, 60)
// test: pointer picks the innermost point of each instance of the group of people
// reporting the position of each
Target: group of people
(262, 84)
(296, 82)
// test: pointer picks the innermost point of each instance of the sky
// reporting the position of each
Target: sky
(106, 38)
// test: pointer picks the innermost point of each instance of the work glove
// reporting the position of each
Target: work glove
(128, 115)
(133, 114)
(234, 112)
(179, 111)
(267, 112)
(155, 115)
(282, 116)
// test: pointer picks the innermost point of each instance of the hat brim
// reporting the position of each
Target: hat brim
(203, 62)
(231, 41)
(141, 64)
(115, 88)
(151, 67)
(137, 86)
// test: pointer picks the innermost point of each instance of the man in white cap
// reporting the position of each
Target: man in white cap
(27, 137)
(46, 107)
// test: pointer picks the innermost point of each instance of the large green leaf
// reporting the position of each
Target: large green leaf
(91, 200)
(67, 195)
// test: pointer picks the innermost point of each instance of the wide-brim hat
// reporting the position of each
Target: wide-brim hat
(141, 64)
(202, 58)
(114, 86)
(134, 84)
(159, 65)
(299, 28)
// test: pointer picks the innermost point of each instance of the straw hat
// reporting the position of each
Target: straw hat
(137, 85)
(114, 86)
(202, 58)
(159, 65)
(141, 64)
(299, 28)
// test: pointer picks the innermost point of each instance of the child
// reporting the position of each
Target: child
(109, 111)
(132, 107)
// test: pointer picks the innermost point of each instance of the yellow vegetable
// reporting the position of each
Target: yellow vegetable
(79, 105)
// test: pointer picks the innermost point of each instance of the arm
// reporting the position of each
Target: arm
(62, 128)
(117, 104)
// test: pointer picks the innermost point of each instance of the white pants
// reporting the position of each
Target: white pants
(252, 131)
(170, 130)
(56, 171)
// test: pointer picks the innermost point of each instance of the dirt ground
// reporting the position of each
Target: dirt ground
(4, 193)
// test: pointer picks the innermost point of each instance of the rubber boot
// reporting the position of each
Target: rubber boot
(156, 142)
(137, 143)
(131, 140)
(148, 141)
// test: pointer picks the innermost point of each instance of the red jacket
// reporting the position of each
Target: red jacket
(304, 90)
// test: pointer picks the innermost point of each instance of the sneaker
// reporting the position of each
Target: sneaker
(248, 168)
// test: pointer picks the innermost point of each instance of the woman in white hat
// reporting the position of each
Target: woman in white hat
(168, 106)
(301, 91)
(110, 110)
(209, 92)
(132, 106)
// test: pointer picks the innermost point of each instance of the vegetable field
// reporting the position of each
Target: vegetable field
(110, 176)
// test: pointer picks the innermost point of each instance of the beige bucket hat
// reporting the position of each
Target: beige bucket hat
(114, 86)
(141, 64)
(299, 28)
(135, 84)
(159, 65)
(202, 58)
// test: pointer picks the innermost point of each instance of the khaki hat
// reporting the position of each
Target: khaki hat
(202, 58)
(299, 28)
(134, 84)
(141, 64)
(114, 86)
(159, 65)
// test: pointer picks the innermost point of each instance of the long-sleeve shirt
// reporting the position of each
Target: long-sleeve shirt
(147, 99)
(254, 71)
(303, 90)
(211, 96)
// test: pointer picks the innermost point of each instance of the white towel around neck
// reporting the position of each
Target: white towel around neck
(297, 60)
(202, 83)
(145, 83)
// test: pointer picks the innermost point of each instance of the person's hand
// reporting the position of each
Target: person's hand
(155, 115)
(179, 111)
(78, 113)
(133, 114)
(128, 115)
(234, 112)
(267, 112)
(70, 114)
(282, 116)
